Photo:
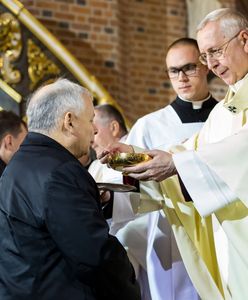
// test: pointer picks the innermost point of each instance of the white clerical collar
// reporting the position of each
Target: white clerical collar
(196, 104)
(236, 86)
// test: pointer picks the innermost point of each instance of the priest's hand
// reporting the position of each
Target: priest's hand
(160, 167)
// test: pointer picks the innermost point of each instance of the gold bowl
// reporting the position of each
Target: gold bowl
(118, 161)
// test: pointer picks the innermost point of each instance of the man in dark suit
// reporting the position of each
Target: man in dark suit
(54, 239)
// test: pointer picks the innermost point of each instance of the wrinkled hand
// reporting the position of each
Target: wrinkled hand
(160, 167)
(112, 148)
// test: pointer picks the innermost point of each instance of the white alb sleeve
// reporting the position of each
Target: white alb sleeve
(207, 190)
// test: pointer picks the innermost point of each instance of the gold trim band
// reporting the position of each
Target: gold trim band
(10, 91)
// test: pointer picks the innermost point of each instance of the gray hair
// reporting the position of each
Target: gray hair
(231, 21)
(110, 113)
(49, 104)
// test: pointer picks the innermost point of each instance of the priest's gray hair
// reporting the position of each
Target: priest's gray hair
(51, 102)
(230, 20)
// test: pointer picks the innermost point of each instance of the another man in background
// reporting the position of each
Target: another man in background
(157, 252)
(12, 132)
(54, 239)
(111, 128)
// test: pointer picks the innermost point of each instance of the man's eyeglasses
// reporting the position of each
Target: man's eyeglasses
(216, 53)
(188, 70)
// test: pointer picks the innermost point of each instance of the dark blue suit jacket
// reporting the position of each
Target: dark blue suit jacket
(54, 241)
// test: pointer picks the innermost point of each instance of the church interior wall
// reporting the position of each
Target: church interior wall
(123, 43)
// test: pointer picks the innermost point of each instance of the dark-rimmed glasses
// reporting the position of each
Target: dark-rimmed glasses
(216, 53)
(188, 70)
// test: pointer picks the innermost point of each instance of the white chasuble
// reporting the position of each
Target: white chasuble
(215, 176)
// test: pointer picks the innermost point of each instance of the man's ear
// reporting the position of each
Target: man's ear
(68, 122)
(115, 128)
(7, 142)
(244, 39)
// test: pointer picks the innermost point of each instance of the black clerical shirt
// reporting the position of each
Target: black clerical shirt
(187, 114)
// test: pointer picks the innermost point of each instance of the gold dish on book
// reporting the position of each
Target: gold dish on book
(119, 160)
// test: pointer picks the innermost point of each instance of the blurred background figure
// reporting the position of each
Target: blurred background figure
(12, 133)
(111, 128)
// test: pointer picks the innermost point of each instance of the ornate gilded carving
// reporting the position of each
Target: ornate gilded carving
(10, 47)
(11, 33)
(39, 65)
